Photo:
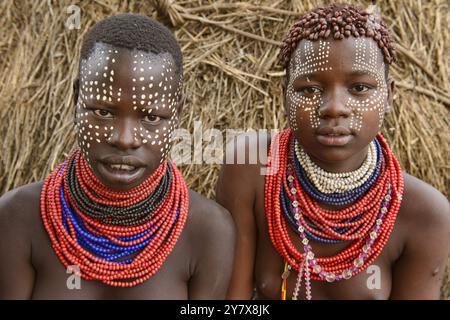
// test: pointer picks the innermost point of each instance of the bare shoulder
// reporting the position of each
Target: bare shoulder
(21, 206)
(244, 164)
(19, 222)
(424, 207)
(207, 221)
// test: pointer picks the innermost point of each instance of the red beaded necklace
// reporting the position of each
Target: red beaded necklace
(161, 231)
(366, 242)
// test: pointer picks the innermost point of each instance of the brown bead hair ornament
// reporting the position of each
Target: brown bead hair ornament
(338, 21)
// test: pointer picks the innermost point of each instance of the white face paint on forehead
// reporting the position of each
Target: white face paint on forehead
(366, 60)
(151, 96)
(305, 60)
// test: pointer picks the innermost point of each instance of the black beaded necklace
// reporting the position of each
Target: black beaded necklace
(118, 216)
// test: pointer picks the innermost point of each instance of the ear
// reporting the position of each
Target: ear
(76, 88)
(390, 97)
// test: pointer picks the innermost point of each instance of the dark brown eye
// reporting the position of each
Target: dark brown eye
(152, 119)
(103, 113)
(311, 90)
(360, 87)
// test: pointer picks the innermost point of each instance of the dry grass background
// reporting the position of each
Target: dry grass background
(232, 79)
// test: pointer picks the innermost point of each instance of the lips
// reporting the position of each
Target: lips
(333, 131)
(117, 170)
(334, 136)
(124, 167)
(122, 161)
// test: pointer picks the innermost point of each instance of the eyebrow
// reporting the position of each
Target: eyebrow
(361, 72)
(306, 75)
(98, 102)
(354, 73)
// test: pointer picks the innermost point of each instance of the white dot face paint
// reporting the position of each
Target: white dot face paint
(150, 99)
(317, 58)
(306, 59)
(124, 109)
(366, 61)
(91, 80)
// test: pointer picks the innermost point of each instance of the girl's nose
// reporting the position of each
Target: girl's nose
(125, 135)
(334, 106)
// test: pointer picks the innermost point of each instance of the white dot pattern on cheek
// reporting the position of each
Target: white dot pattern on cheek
(144, 95)
(376, 100)
(88, 133)
(104, 88)
(314, 60)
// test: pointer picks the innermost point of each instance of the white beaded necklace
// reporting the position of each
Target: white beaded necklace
(330, 182)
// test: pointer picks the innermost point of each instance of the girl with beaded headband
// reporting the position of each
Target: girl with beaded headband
(335, 217)
(117, 213)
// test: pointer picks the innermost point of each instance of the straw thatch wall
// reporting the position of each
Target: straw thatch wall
(232, 78)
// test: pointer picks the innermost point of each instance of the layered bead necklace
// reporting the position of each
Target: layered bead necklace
(337, 183)
(119, 238)
(372, 195)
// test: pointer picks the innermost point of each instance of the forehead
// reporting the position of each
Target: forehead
(126, 68)
(338, 54)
